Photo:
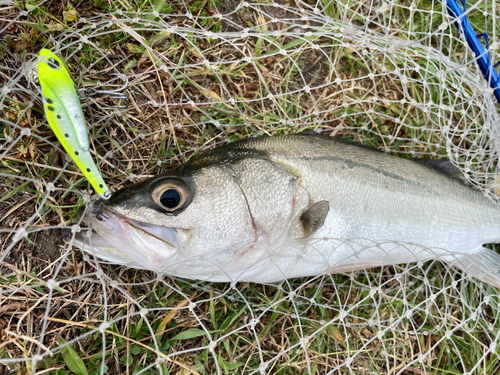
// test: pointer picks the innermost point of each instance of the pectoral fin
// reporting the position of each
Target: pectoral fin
(314, 217)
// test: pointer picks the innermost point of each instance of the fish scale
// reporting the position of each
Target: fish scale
(382, 210)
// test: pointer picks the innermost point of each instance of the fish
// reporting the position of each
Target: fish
(271, 208)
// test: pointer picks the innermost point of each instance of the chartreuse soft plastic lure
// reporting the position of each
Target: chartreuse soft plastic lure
(65, 117)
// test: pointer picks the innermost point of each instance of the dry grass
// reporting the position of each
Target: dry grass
(174, 113)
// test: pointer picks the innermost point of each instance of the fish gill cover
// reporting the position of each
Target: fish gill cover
(394, 75)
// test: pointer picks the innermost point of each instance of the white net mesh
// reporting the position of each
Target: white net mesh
(396, 75)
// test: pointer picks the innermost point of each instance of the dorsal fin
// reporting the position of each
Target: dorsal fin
(443, 166)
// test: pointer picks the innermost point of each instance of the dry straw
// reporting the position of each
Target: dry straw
(395, 75)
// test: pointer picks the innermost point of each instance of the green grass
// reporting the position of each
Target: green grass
(144, 133)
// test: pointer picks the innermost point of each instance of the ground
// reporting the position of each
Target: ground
(297, 326)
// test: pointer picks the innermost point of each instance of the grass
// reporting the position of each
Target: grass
(251, 324)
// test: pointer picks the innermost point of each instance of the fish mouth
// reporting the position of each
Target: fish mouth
(166, 234)
(121, 240)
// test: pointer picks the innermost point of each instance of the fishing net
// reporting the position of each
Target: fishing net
(395, 75)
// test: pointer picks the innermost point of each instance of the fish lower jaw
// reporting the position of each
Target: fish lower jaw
(96, 246)
(123, 241)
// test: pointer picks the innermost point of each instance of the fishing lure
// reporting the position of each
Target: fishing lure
(65, 116)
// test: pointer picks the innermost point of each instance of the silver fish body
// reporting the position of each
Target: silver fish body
(271, 208)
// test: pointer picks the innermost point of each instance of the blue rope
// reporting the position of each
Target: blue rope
(483, 58)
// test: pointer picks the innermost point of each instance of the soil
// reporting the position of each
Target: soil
(45, 249)
(42, 247)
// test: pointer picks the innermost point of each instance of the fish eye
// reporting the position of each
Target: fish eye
(170, 198)
(53, 63)
(171, 195)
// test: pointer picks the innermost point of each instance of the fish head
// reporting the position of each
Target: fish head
(171, 218)
(208, 216)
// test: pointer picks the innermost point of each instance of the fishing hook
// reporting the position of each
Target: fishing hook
(87, 92)
(96, 208)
